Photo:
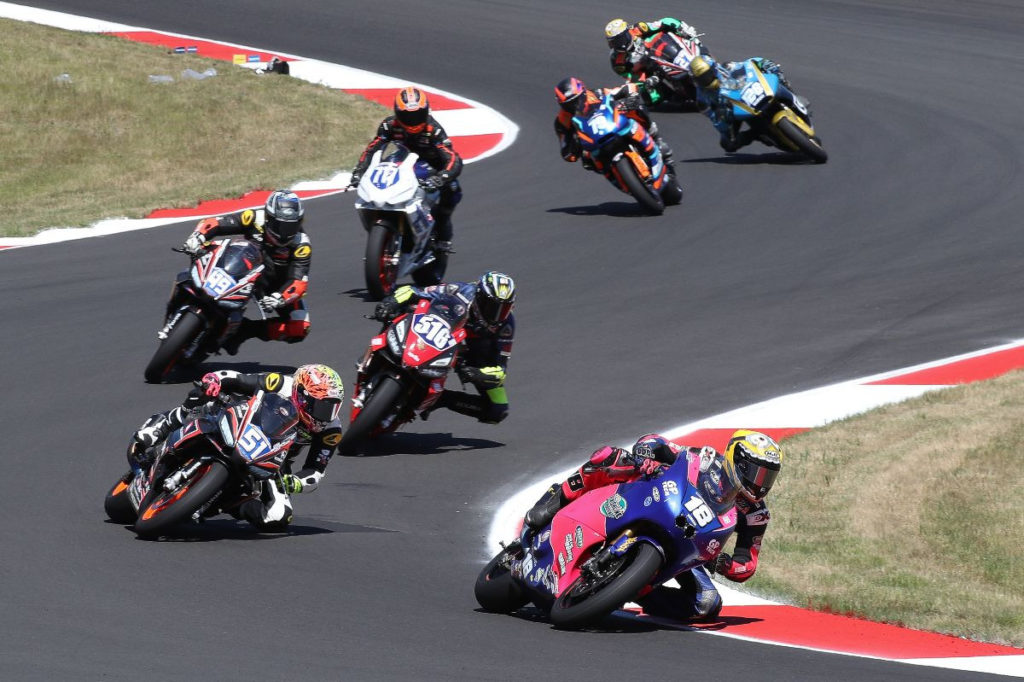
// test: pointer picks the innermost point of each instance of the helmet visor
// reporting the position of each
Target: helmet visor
(413, 120)
(757, 478)
(494, 311)
(620, 41)
(324, 410)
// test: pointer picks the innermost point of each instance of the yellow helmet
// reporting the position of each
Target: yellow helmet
(617, 34)
(704, 74)
(757, 459)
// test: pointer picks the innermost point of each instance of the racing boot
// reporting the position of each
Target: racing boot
(541, 513)
(271, 512)
(666, 151)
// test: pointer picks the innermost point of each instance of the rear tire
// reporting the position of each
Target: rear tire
(167, 354)
(649, 199)
(384, 400)
(117, 504)
(581, 604)
(495, 590)
(162, 510)
(810, 148)
(381, 266)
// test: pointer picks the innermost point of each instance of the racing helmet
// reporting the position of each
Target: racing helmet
(495, 298)
(412, 109)
(617, 34)
(757, 459)
(317, 393)
(702, 69)
(568, 92)
(654, 446)
(282, 218)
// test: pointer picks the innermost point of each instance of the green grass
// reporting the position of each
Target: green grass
(109, 143)
(908, 514)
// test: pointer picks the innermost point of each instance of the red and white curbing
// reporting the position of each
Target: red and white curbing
(745, 616)
(476, 130)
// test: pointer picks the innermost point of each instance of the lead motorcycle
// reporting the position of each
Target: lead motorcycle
(397, 215)
(207, 304)
(607, 134)
(405, 367)
(606, 547)
(210, 465)
(778, 116)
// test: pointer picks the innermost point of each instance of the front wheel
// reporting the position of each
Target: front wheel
(811, 148)
(117, 504)
(648, 197)
(383, 401)
(495, 590)
(163, 509)
(169, 352)
(590, 598)
(381, 267)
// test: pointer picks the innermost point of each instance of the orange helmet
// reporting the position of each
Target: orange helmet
(317, 392)
(412, 109)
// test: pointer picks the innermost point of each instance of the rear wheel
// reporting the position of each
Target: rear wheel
(163, 509)
(495, 589)
(811, 148)
(117, 503)
(169, 352)
(383, 401)
(381, 266)
(648, 198)
(590, 598)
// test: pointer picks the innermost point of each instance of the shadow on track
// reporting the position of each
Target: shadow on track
(215, 530)
(614, 209)
(418, 444)
(772, 158)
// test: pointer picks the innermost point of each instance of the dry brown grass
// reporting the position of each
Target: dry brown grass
(110, 143)
(908, 514)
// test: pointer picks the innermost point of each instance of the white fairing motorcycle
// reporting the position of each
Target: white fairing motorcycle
(396, 213)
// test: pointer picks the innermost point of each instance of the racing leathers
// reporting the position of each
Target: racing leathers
(718, 108)
(696, 598)
(628, 100)
(281, 288)
(271, 511)
(632, 62)
(483, 360)
(433, 146)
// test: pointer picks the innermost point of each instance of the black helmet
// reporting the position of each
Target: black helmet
(494, 300)
(282, 217)
(412, 109)
(568, 93)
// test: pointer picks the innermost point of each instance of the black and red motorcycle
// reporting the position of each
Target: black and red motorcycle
(207, 304)
(405, 367)
(211, 465)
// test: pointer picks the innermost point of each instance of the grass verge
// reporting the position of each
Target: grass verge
(908, 514)
(106, 142)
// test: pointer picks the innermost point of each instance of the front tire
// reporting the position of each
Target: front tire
(162, 509)
(381, 263)
(383, 401)
(648, 198)
(586, 601)
(810, 148)
(117, 504)
(495, 590)
(167, 354)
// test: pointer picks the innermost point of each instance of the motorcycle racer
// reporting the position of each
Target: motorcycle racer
(575, 99)
(628, 50)
(706, 74)
(491, 329)
(287, 253)
(316, 393)
(752, 460)
(414, 127)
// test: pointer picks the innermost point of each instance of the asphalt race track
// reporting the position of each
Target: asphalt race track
(771, 277)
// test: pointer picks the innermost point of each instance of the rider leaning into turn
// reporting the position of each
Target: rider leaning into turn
(706, 76)
(627, 46)
(315, 391)
(414, 127)
(755, 460)
(287, 253)
(575, 99)
(490, 331)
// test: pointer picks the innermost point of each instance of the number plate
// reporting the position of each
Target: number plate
(253, 443)
(218, 282)
(433, 330)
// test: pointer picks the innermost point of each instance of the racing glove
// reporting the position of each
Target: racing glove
(194, 244)
(290, 484)
(210, 384)
(272, 301)
(354, 180)
(432, 183)
(719, 564)
(385, 310)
